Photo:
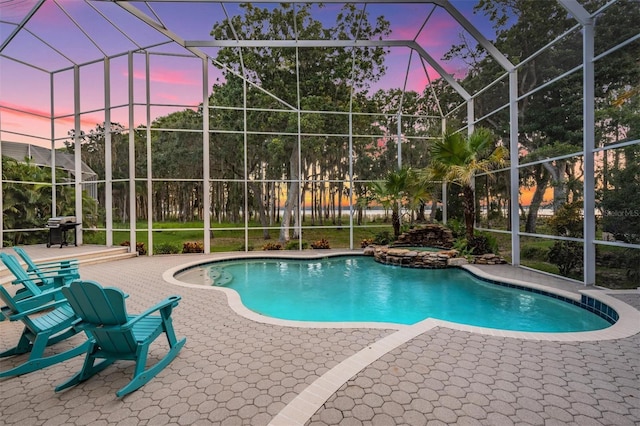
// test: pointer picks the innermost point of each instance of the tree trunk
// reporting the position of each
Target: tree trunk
(469, 210)
(292, 198)
(558, 179)
(262, 209)
(420, 217)
(532, 215)
(340, 189)
(395, 220)
(434, 209)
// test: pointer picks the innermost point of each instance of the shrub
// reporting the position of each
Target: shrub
(567, 255)
(272, 246)
(461, 246)
(482, 244)
(193, 247)
(366, 242)
(383, 238)
(166, 248)
(293, 245)
(242, 246)
(457, 227)
(534, 253)
(320, 244)
(139, 247)
(632, 258)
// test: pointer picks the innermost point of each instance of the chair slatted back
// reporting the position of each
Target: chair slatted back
(11, 305)
(102, 310)
(64, 269)
(30, 265)
(14, 266)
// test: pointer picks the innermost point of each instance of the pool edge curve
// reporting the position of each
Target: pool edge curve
(628, 323)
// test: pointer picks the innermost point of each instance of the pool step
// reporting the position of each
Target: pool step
(219, 277)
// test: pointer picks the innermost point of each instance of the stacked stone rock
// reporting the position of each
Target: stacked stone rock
(413, 258)
(488, 259)
(430, 235)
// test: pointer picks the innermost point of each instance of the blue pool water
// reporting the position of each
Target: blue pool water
(359, 289)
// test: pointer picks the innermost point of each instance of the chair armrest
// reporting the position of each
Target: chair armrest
(58, 263)
(169, 302)
(45, 307)
(54, 269)
(38, 278)
(132, 319)
(47, 288)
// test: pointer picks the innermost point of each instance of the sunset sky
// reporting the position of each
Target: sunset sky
(25, 92)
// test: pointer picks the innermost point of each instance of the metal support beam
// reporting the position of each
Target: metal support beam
(149, 153)
(108, 156)
(351, 193)
(482, 40)
(158, 27)
(19, 27)
(358, 2)
(245, 167)
(206, 172)
(444, 184)
(335, 43)
(296, 43)
(514, 171)
(577, 11)
(77, 151)
(52, 146)
(589, 221)
(132, 159)
(443, 73)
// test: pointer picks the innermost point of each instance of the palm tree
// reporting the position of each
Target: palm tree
(400, 187)
(457, 159)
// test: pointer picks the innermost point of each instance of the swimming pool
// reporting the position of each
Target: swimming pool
(357, 289)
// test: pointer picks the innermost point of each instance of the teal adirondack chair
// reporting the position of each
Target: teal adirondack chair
(60, 272)
(116, 336)
(46, 321)
(29, 285)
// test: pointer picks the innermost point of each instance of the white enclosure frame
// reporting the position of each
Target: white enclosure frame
(584, 22)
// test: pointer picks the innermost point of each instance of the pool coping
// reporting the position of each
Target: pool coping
(628, 323)
(304, 405)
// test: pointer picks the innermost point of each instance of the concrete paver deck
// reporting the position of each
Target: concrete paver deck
(236, 371)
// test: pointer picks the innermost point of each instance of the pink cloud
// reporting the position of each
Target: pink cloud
(168, 76)
(439, 34)
(169, 97)
(437, 31)
(404, 33)
(22, 112)
(418, 80)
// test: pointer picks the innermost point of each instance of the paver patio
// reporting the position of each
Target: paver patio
(235, 371)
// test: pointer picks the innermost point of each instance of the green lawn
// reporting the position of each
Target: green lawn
(225, 238)
(614, 269)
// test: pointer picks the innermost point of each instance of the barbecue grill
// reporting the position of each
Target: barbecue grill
(58, 228)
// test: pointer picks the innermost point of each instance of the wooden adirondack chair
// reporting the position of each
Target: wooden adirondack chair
(46, 322)
(118, 336)
(60, 272)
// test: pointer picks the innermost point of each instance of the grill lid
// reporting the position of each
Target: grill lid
(60, 220)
